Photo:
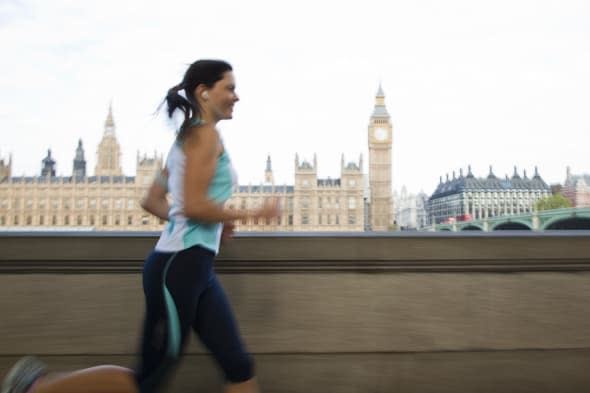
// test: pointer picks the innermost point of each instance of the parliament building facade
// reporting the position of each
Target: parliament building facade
(110, 201)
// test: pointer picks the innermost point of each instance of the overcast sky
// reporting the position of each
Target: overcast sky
(471, 82)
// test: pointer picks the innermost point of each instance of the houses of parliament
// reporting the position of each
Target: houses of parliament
(110, 201)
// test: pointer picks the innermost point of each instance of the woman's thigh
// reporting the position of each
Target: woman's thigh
(217, 328)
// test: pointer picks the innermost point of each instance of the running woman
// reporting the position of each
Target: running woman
(182, 291)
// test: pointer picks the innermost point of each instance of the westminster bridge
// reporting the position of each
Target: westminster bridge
(556, 219)
(503, 311)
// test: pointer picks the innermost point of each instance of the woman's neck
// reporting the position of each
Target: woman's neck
(208, 118)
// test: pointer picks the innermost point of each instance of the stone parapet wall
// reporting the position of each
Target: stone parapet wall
(347, 313)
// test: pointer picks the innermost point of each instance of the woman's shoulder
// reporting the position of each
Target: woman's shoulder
(202, 134)
(203, 139)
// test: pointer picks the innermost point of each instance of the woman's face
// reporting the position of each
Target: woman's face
(220, 99)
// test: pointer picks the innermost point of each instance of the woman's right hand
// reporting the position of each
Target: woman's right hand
(270, 209)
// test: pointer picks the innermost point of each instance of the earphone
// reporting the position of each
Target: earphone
(205, 95)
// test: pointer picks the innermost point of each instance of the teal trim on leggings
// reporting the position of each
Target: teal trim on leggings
(173, 321)
(172, 313)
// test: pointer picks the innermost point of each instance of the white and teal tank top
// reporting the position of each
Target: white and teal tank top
(182, 232)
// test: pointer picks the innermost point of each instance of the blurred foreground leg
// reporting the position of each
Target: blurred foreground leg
(249, 386)
(99, 379)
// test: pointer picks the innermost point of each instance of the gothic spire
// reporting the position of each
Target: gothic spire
(80, 151)
(108, 162)
(268, 176)
(79, 169)
(109, 124)
(380, 110)
(515, 175)
(491, 174)
(48, 165)
(380, 93)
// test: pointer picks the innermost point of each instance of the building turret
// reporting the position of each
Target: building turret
(147, 168)
(268, 176)
(5, 168)
(305, 172)
(48, 165)
(491, 174)
(79, 168)
(515, 175)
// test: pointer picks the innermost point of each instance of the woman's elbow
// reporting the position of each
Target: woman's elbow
(147, 204)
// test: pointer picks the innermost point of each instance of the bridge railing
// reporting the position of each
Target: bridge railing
(527, 219)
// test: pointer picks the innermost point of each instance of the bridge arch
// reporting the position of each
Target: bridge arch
(511, 226)
(472, 227)
(570, 222)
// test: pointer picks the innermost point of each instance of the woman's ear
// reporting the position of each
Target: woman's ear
(201, 92)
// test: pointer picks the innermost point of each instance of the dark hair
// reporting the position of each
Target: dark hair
(205, 72)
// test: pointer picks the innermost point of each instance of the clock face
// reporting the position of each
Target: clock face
(380, 134)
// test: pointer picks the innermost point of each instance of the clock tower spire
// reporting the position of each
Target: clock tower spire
(380, 140)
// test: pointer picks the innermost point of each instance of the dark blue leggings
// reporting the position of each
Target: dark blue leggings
(182, 291)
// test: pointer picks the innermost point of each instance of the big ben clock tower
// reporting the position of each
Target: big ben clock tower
(380, 138)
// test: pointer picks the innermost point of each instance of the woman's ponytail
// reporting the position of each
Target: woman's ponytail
(174, 100)
(206, 72)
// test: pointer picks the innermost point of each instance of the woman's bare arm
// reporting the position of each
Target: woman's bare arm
(202, 149)
(155, 201)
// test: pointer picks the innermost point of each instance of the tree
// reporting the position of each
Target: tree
(556, 201)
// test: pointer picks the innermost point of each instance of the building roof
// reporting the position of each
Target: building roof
(380, 111)
(461, 184)
(265, 189)
(305, 165)
(328, 182)
(68, 179)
